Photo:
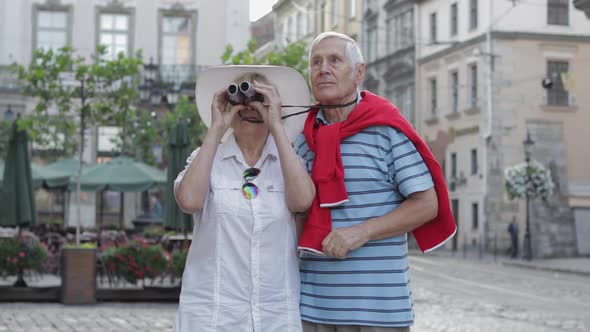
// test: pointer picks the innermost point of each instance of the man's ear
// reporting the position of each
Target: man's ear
(359, 74)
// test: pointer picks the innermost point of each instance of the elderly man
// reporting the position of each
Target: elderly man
(376, 181)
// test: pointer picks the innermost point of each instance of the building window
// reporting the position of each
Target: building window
(335, 11)
(474, 169)
(433, 28)
(289, 27)
(323, 17)
(433, 99)
(402, 98)
(310, 19)
(558, 12)
(557, 95)
(473, 14)
(351, 8)
(455, 210)
(114, 34)
(400, 31)
(454, 165)
(391, 35)
(52, 29)
(473, 86)
(474, 216)
(371, 45)
(177, 37)
(299, 25)
(454, 19)
(455, 92)
(407, 35)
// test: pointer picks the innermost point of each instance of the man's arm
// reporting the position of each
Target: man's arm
(416, 210)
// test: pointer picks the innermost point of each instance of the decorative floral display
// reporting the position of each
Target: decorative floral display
(135, 260)
(178, 261)
(20, 254)
(533, 179)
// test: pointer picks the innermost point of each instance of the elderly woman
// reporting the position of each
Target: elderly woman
(244, 185)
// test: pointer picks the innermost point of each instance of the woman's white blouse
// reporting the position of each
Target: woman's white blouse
(241, 272)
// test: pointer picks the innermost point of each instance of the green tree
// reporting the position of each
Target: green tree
(294, 56)
(73, 93)
(186, 110)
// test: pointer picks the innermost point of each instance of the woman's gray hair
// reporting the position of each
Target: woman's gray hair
(353, 51)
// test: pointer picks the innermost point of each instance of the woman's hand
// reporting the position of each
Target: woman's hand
(221, 116)
(271, 110)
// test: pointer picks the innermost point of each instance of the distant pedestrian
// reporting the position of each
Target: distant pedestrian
(513, 230)
(155, 207)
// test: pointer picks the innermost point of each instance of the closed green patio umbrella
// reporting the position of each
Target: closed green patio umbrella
(178, 151)
(18, 197)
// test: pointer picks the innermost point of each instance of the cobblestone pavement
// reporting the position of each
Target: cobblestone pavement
(450, 294)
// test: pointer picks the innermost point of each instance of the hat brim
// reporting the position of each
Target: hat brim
(291, 86)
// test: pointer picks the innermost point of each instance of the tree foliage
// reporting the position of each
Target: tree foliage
(71, 91)
(186, 110)
(293, 55)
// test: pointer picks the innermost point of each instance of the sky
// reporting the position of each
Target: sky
(259, 8)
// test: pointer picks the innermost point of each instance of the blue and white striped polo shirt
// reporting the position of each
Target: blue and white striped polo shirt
(370, 287)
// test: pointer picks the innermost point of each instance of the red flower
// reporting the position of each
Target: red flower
(15, 260)
(21, 254)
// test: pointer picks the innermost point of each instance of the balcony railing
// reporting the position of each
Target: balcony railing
(8, 79)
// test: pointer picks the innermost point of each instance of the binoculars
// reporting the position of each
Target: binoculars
(243, 93)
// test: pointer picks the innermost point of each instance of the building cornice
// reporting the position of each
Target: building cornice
(505, 35)
(391, 5)
(391, 56)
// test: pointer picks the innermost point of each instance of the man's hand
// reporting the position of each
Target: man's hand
(342, 240)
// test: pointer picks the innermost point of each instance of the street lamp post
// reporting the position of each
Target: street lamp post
(8, 114)
(528, 249)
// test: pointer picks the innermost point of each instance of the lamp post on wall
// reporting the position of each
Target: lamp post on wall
(158, 91)
(9, 114)
(528, 249)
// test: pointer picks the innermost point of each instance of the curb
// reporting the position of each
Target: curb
(545, 268)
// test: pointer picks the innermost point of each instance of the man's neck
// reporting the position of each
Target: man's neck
(336, 115)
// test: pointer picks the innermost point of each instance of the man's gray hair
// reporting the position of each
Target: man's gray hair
(353, 51)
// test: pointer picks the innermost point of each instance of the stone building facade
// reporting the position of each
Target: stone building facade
(479, 80)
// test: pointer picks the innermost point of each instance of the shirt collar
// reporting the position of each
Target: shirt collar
(321, 117)
(229, 148)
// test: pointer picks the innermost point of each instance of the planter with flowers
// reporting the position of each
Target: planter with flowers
(18, 255)
(78, 274)
(139, 264)
(134, 261)
(532, 180)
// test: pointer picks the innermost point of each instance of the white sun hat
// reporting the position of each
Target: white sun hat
(292, 88)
